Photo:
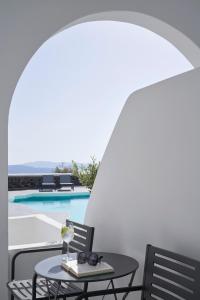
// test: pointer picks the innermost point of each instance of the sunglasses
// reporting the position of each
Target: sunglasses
(91, 258)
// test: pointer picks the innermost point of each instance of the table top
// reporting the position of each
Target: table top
(123, 265)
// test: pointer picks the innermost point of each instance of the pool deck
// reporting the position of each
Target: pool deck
(16, 209)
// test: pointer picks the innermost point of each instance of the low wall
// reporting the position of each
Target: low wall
(21, 233)
(33, 181)
(46, 234)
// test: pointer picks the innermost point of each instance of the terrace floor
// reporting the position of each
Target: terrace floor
(16, 209)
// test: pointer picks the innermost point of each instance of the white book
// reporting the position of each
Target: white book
(81, 270)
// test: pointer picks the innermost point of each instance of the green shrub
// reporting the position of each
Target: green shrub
(86, 174)
(62, 170)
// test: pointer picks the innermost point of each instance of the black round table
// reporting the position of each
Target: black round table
(51, 269)
(123, 265)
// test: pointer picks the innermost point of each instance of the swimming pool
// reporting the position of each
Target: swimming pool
(74, 204)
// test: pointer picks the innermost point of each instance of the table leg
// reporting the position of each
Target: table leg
(85, 289)
(56, 295)
(113, 286)
(59, 284)
(130, 284)
(106, 289)
(34, 286)
(47, 284)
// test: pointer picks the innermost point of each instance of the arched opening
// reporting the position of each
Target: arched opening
(26, 58)
(75, 80)
(80, 77)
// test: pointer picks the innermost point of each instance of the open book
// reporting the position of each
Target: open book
(81, 270)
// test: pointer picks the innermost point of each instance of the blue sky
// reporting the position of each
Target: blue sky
(71, 93)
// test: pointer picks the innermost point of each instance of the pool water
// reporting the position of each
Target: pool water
(74, 204)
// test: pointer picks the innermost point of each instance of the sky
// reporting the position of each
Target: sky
(71, 93)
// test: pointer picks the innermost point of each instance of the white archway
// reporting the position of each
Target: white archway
(174, 36)
(25, 26)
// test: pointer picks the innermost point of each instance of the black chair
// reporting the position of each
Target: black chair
(167, 276)
(48, 183)
(22, 289)
(66, 181)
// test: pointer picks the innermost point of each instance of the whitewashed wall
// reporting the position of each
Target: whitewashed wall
(155, 196)
(26, 25)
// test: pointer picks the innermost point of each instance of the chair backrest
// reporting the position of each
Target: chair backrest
(48, 179)
(65, 178)
(83, 238)
(170, 276)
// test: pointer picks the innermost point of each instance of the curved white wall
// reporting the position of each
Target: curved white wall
(176, 37)
(147, 189)
(25, 25)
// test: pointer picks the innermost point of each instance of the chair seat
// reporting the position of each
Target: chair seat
(22, 289)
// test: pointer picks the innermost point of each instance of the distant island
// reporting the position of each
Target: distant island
(37, 167)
